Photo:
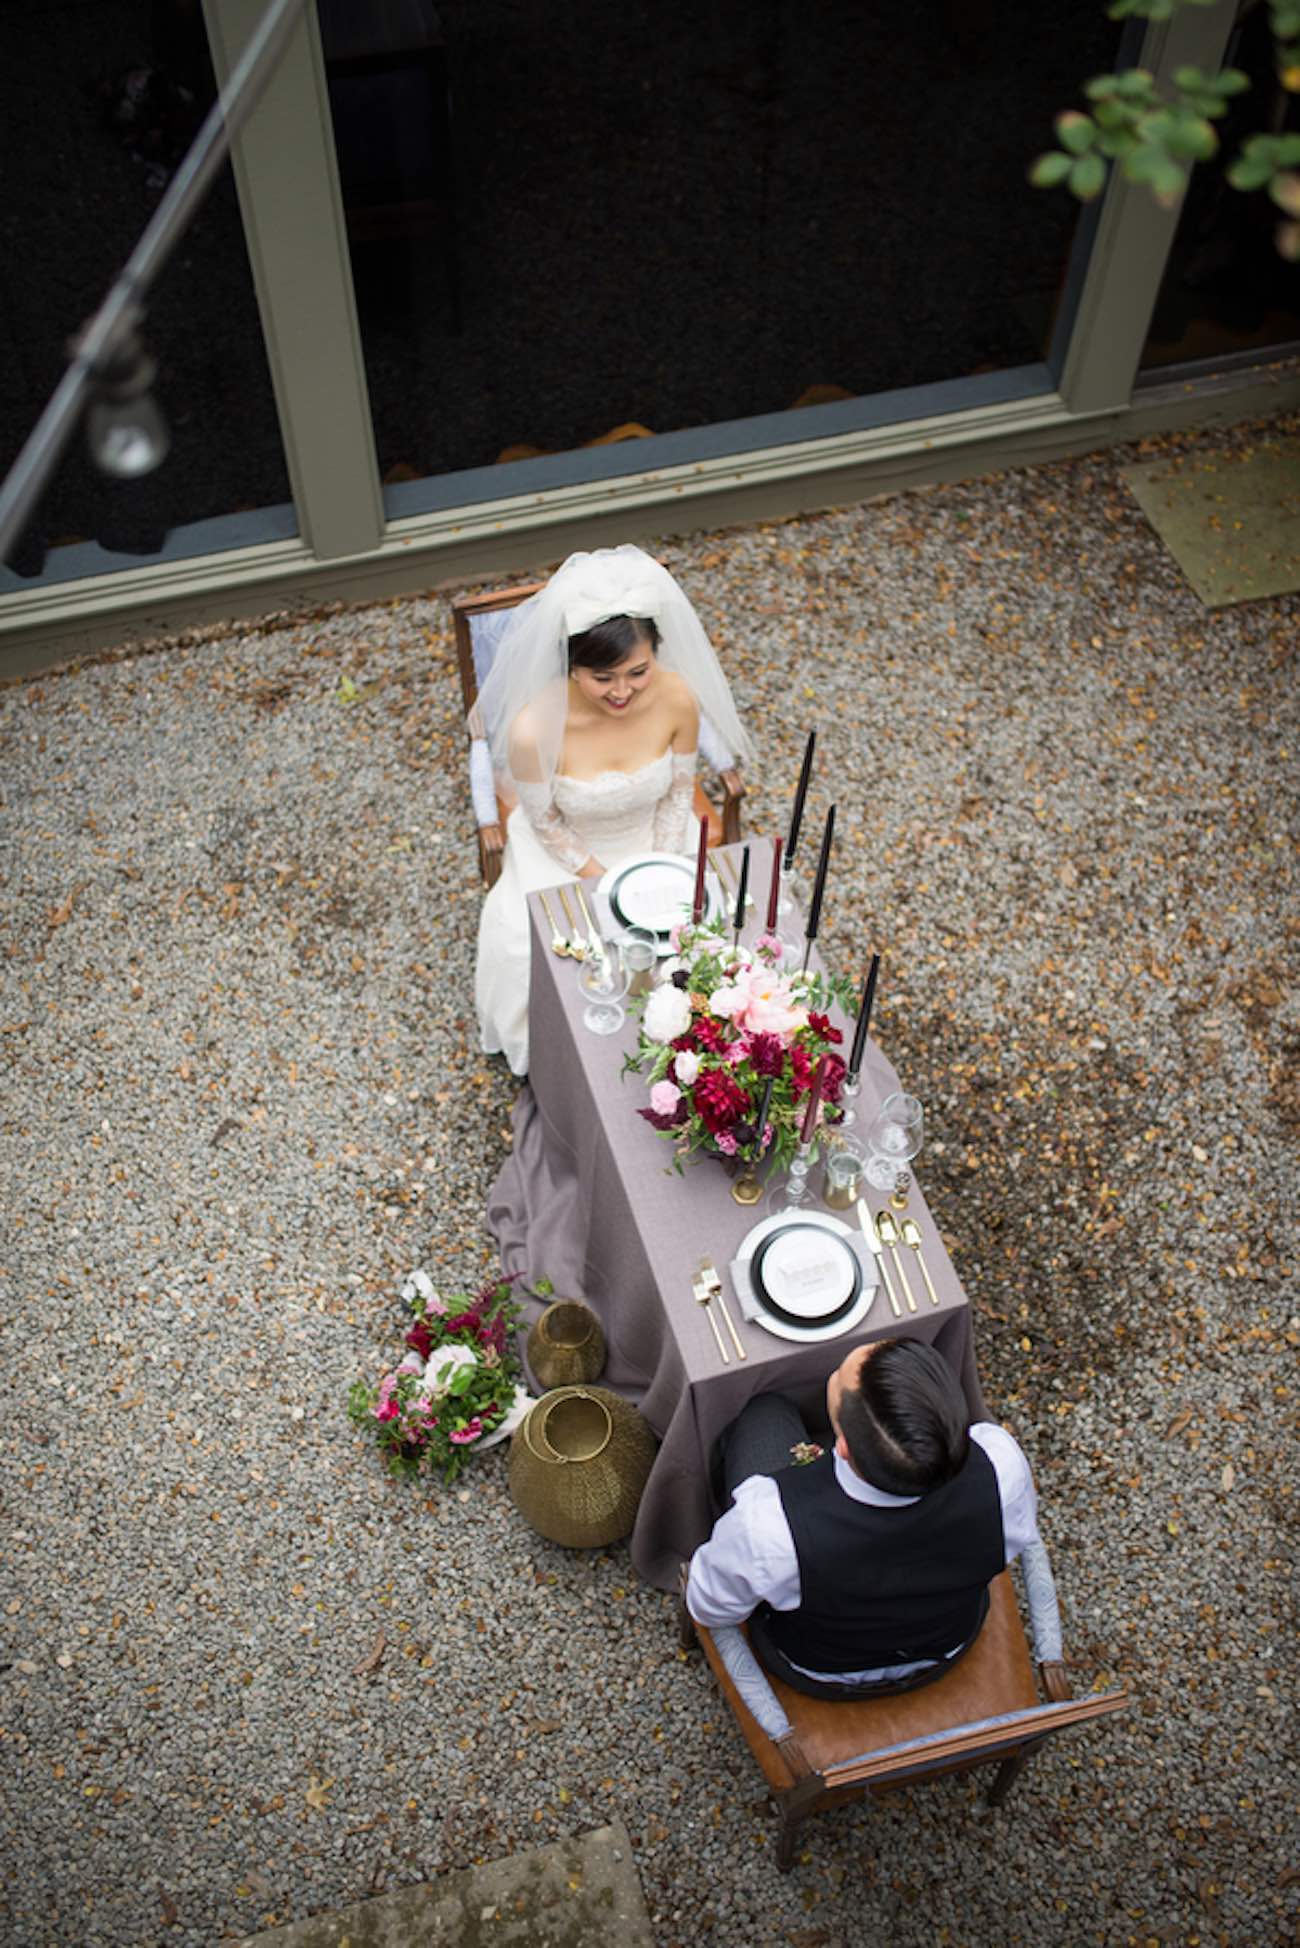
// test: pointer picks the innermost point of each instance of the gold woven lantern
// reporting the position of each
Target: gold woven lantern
(566, 1347)
(578, 1465)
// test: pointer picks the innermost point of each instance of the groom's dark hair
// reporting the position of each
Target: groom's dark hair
(607, 643)
(906, 1421)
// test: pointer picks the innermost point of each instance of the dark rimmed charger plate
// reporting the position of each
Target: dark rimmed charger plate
(779, 1311)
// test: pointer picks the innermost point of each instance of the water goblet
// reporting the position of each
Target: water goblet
(894, 1138)
(794, 1193)
(603, 980)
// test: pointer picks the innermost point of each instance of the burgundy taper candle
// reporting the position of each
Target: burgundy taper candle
(774, 890)
(864, 1017)
(697, 907)
(814, 1102)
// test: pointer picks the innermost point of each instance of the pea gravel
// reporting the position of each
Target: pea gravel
(245, 1678)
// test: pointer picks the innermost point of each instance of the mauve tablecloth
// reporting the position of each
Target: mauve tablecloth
(587, 1200)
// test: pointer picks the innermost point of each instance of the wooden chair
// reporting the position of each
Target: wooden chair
(478, 622)
(815, 1753)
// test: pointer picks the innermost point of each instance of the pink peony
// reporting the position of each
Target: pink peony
(770, 1006)
(462, 1436)
(664, 1098)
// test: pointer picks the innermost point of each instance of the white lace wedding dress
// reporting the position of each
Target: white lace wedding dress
(615, 815)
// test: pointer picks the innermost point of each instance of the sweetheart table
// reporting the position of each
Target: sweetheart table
(588, 1199)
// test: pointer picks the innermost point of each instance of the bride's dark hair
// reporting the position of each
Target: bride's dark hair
(608, 643)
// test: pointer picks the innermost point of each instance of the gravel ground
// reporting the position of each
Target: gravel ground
(243, 1100)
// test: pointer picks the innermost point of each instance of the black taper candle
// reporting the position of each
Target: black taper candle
(743, 894)
(864, 1017)
(801, 793)
(819, 884)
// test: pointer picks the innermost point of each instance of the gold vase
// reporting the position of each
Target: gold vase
(566, 1347)
(578, 1466)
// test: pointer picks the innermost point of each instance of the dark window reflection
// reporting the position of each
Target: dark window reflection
(569, 218)
(1226, 290)
(97, 105)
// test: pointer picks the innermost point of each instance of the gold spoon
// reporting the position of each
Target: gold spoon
(911, 1231)
(889, 1236)
(559, 945)
(576, 949)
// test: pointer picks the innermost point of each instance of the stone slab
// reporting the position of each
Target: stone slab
(1230, 519)
(579, 1893)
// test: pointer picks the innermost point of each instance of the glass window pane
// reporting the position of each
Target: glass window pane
(566, 221)
(97, 105)
(1226, 290)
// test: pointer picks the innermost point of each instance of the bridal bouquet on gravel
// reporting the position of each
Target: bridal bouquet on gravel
(456, 1391)
(730, 1039)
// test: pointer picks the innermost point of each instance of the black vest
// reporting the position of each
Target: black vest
(884, 1586)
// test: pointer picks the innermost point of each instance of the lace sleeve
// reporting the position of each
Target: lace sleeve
(672, 813)
(551, 826)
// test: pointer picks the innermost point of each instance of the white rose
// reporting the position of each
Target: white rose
(444, 1363)
(687, 1065)
(667, 1014)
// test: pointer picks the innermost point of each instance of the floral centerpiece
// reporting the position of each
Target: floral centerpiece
(723, 1024)
(457, 1386)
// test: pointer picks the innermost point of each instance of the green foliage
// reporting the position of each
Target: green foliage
(1157, 139)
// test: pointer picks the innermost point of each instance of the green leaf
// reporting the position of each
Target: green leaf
(1077, 132)
(1233, 82)
(1192, 140)
(1049, 170)
(1136, 84)
(1087, 178)
(1101, 87)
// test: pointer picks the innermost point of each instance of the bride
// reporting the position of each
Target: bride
(592, 710)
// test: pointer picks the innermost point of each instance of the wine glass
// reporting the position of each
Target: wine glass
(603, 979)
(894, 1138)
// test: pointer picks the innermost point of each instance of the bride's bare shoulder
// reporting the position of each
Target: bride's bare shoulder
(679, 696)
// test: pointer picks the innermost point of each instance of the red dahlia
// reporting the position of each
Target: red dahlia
(719, 1099)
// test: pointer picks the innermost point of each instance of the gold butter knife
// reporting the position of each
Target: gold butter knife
(878, 1252)
(703, 1296)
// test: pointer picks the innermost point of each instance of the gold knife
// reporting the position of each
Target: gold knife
(576, 949)
(878, 1252)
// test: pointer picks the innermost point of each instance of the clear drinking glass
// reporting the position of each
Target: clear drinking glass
(894, 1138)
(640, 958)
(603, 980)
(843, 1187)
(793, 1191)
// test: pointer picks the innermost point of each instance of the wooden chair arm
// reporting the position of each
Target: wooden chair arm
(733, 790)
(1055, 1682)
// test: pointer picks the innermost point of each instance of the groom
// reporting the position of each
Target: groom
(866, 1570)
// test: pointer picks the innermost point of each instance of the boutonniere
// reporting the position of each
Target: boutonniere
(805, 1451)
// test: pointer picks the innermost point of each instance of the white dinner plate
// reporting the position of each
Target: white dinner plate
(804, 1290)
(655, 891)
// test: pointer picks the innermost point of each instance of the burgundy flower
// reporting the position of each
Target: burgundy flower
(493, 1335)
(680, 1115)
(767, 1054)
(832, 1079)
(801, 1069)
(719, 1099)
(684, 1041)
(466, 1321)
(711, 1035)
(420, 1339)
(821, 1025)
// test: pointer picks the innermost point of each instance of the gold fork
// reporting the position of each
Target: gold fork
(575, 947)
(559, 945)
